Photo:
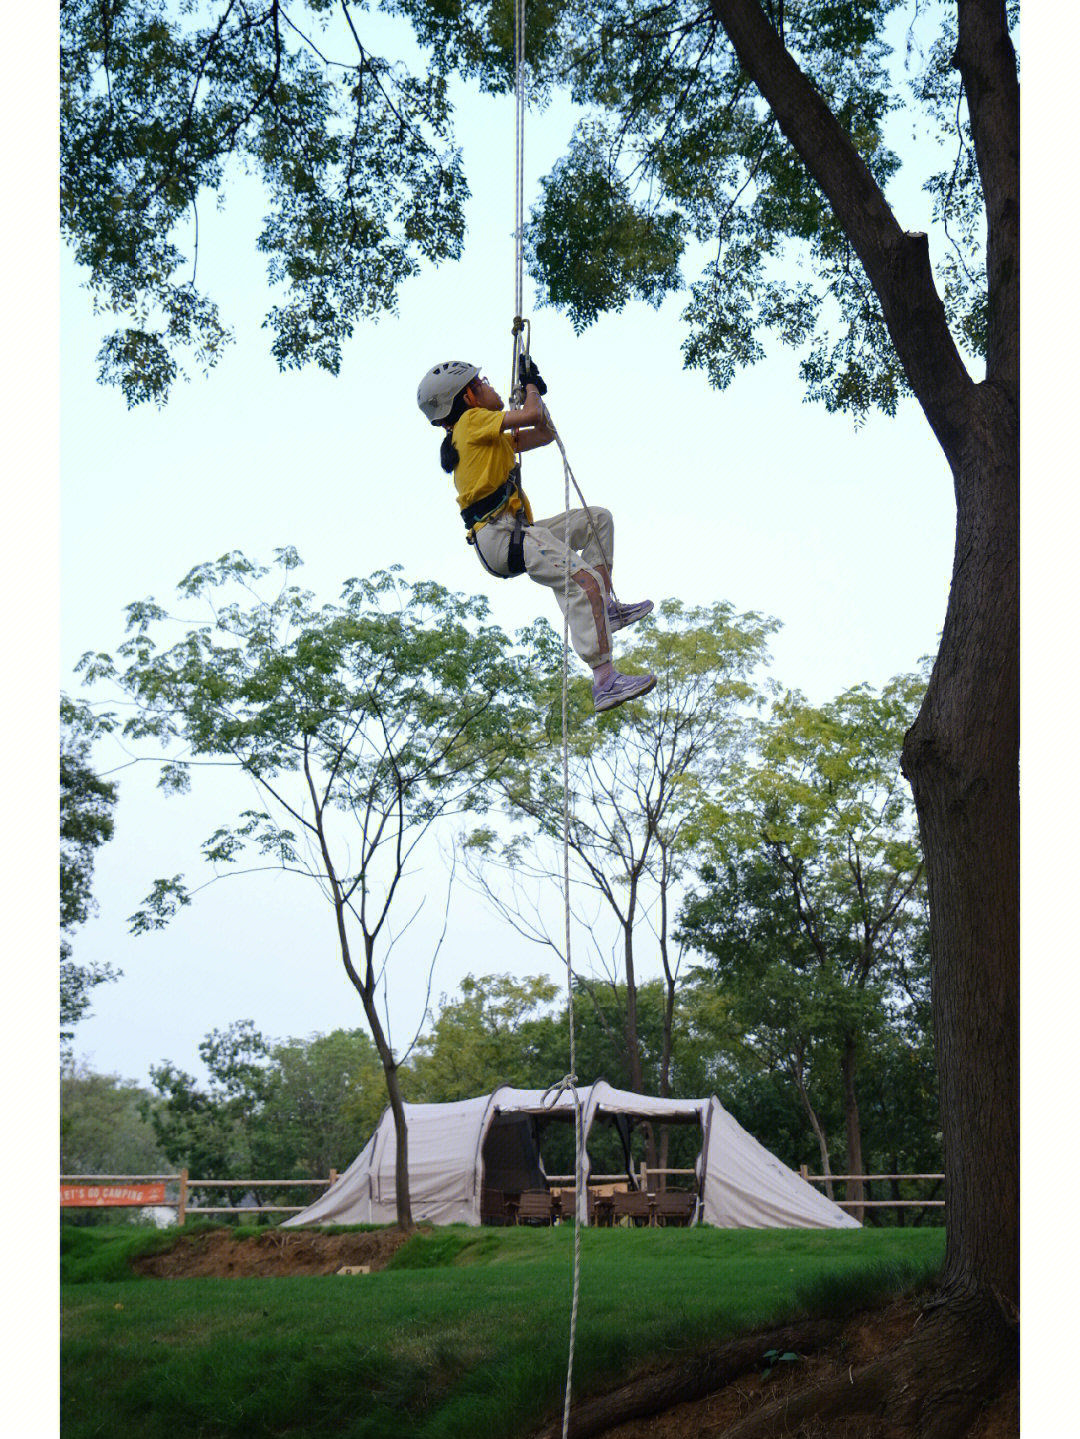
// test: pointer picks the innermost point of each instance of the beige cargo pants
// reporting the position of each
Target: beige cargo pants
(547, 558)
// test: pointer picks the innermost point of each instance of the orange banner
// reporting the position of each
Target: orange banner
(92, 1195)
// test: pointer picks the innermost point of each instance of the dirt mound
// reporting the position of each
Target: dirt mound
(219, 1254)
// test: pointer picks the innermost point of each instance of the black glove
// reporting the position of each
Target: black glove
(528, 374)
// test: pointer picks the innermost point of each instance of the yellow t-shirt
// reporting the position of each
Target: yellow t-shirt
(487, 456)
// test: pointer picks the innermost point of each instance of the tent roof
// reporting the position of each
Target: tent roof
(600, 1097)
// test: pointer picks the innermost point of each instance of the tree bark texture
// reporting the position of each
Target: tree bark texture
(401, 1149)
(393, 1093)
(987, 63)
(397, 1108)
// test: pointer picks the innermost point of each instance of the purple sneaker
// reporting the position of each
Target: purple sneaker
(619, 616)
(619, 689)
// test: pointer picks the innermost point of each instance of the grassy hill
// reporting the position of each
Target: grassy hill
(464, 1334)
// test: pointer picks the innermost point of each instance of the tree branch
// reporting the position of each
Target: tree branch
(987, 63)
(897, 263)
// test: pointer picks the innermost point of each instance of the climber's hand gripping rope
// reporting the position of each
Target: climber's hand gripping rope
(528, 374)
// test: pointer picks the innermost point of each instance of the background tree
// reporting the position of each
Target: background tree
(638, 778)
(719, 1053)
(86, 823)
(323, 1100)
(362, 724)
(162, 106)
(901, 1114)
(293, 1109)
(104, 1128)
(778, 1011)
(495, 1033)
(814, 912)
(216, 1129)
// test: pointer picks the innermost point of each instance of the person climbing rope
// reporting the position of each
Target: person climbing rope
(480, 449)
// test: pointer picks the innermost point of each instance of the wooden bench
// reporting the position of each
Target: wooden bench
(675, 1206)
(600, 1210)
(493, 1207)
(564, 1203)
(533, 1206)
(637, 1207)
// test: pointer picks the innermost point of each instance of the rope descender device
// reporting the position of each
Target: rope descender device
(521, 348)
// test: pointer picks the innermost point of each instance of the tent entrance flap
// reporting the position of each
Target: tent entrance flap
(511, 1158)
(622, 1129)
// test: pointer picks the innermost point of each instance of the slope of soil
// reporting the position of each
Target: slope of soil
(219, 1254)
(860, 1339)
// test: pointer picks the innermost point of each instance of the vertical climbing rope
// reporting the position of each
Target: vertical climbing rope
(579, 1164)
(521, 330)
(519, 152)
(521, 347)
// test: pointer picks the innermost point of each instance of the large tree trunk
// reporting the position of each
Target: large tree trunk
(962, 754)
(961, 759)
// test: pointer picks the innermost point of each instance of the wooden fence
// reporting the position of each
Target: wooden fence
(94, 1191)
(896, 1202)
(143, 1191)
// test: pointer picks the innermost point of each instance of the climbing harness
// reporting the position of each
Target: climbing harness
(488, 508)
(515, 554)
(481, 512)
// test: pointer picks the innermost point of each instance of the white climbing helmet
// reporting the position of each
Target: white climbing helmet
(441, 385)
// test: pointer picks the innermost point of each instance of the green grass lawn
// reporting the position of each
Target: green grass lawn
(465, 1335)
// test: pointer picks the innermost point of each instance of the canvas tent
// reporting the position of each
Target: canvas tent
(458, 1149)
